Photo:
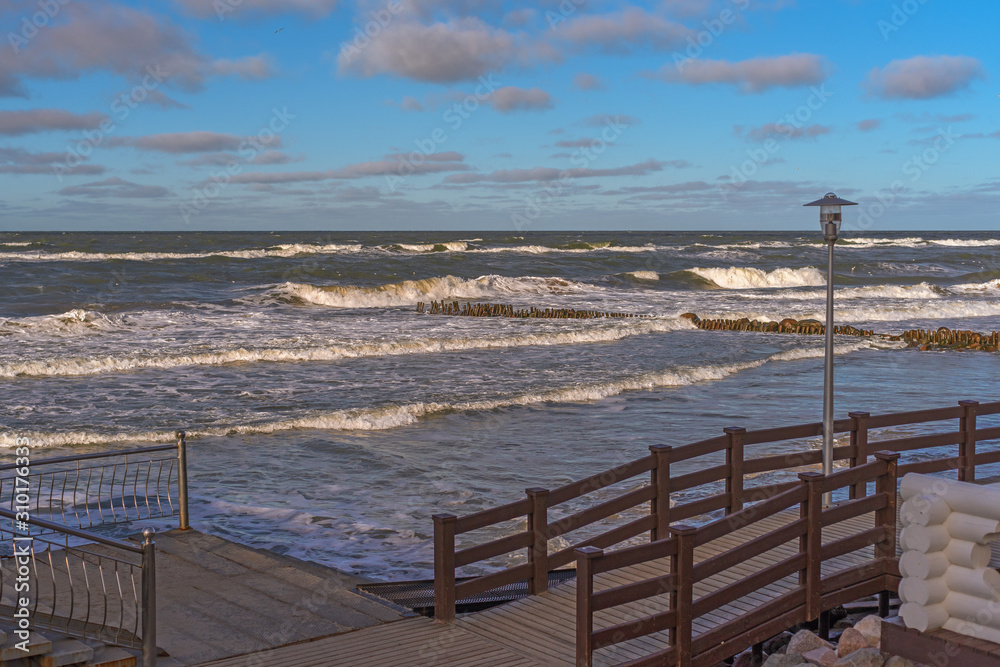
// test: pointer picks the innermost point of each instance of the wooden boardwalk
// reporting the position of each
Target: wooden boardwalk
(540, 630)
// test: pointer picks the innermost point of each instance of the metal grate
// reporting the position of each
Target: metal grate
(419, 595)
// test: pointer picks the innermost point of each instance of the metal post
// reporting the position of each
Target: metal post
(831, 239)
(182, 481)
(148, 598)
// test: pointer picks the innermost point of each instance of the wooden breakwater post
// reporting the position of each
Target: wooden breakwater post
(926, 339)
(942, 338)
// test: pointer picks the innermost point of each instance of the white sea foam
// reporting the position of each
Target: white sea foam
(429, 289)
(643, 275)
(72, 321)
(448, 246)
(918, 291)
(929, 309)
(113, 364)
(982, 288)
(394, 416)
(590, 247)
(869, 242)
(740, 277)
(283, 250)
(17, 243)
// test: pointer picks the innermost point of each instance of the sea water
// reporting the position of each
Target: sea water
(329, 420)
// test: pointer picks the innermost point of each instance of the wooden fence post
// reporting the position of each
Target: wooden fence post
(886, 516)
(734, 461)
(584, 613)
(538, 552)
(812, 544)
(682, 596)
(660, 481)
(967, 448)
(444, 567)
(859, 448)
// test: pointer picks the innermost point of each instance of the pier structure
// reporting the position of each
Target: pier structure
(688, 555)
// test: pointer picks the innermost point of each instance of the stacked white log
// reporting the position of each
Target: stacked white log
(946, 579)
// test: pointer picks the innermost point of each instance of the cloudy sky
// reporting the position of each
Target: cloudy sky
(456, 114)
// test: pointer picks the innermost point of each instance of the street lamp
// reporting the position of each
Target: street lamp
(829, 222)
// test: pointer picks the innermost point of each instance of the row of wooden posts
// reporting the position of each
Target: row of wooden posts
(504, 310)
(784, 326)
(925, 339)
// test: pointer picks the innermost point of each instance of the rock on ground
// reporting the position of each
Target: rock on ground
(850, 641)
(785, 660)
(777, 643)
(821, 657)
(866, 657)
(805, 641)
(897, 661)
(871, 628)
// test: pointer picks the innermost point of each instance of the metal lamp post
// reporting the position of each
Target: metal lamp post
(829, 221)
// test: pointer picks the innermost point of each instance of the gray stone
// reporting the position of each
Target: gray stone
(850, 641)
(785, 660)
(871, 628)
(805, 641)
(897, 661)
(821, 657)
(866, 657)
(777, 643)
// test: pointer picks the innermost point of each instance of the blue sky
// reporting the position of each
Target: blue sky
(453, 114)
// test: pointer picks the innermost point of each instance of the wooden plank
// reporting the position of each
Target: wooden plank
(495, 548)
(914, 417)
(603, 541)
(699, 507)
(698, 478)
(602, 511)
(601, 480)
(488, 517)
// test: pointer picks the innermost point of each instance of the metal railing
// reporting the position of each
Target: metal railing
(79, 583)
(89, 490)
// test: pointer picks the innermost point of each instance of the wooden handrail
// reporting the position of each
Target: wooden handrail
(727, 459)
(813, 595)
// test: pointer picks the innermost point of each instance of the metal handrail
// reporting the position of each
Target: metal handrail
(148, 568)
(96, 455)
(117, 479)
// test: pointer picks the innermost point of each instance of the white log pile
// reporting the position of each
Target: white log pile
(946, 578)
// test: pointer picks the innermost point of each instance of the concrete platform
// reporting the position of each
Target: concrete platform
(217, 599)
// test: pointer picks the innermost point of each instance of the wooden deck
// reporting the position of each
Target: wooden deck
(541, 629)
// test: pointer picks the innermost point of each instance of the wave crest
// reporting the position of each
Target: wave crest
(409, 292)
(393, 416)
(744, 277)
(114, 364)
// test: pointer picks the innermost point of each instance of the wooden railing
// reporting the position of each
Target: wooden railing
(716, 461)
(812, 593)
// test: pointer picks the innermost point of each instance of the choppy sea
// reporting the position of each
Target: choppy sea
(329, 420)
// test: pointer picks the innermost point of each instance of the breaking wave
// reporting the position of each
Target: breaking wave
(642, 276)
(72, 321)
(114, 364)
(282, 250)
(737, 277)
(410, 292)
(916, 241)
(394, 416)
